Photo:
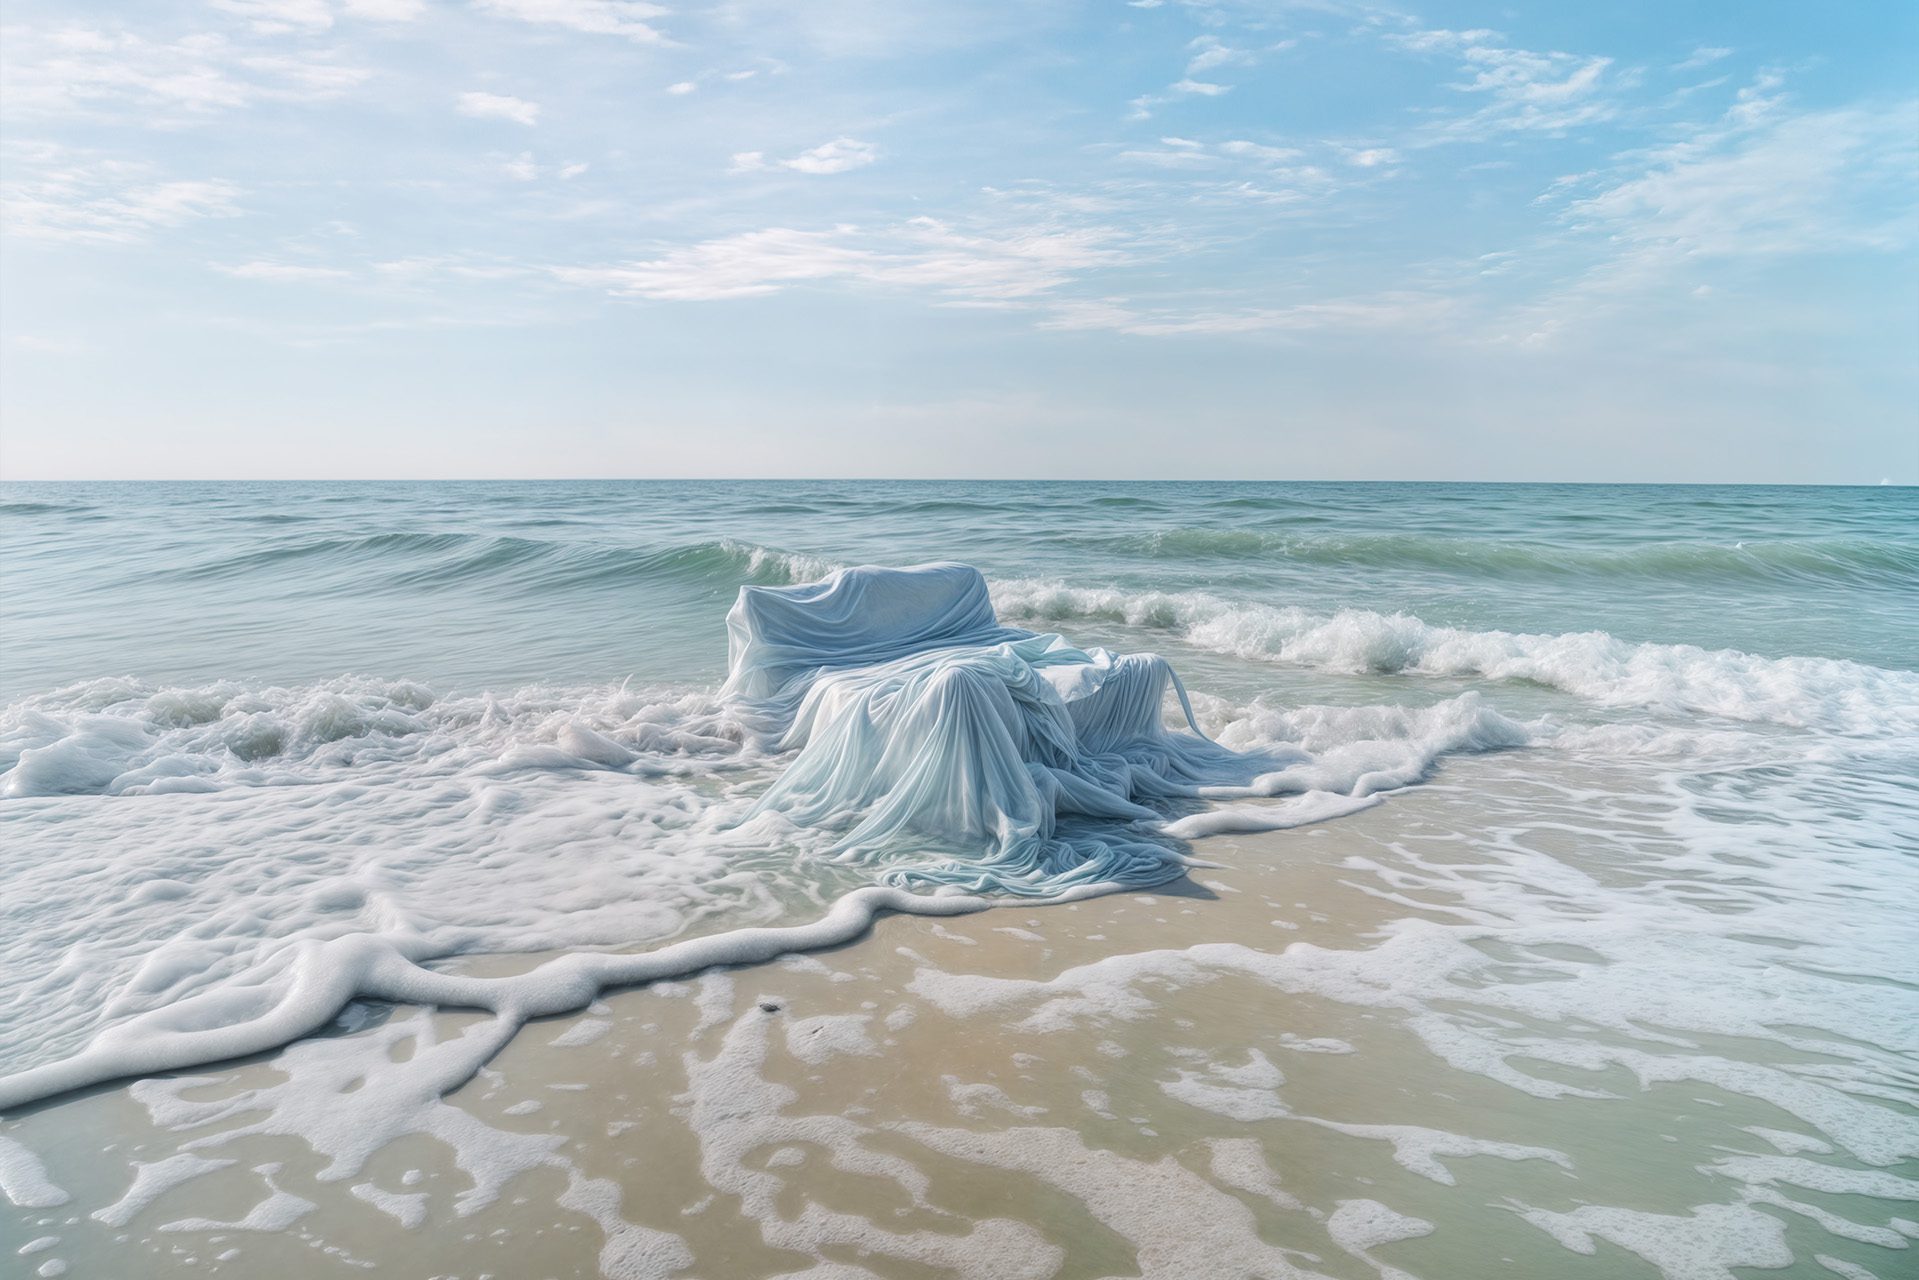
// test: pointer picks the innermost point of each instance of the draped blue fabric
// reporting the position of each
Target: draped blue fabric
(950, 751)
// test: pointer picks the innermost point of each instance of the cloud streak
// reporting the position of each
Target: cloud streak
(841, 155)
(79, 199)
(88, 73)
(1763, 182)
(1525, 91)
(628, 19)
(926, 254)
(495, 106)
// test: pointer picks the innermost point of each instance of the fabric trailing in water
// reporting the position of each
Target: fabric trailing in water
(956, 753)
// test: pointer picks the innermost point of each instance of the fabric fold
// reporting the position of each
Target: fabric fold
(953, 752)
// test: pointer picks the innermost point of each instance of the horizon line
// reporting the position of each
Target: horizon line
(1883, 483)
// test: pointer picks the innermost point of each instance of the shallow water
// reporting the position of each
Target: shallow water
(1639, 895)
(507, 584)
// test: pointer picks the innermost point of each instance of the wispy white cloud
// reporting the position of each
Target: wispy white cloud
(1764, 181)
(1204, 53)
(986, 267)
(86, 199)
(757, 262)
(1260, 151)
(630, 19)
(1788, 184)
(1394, 311)
(1210, 51)
(1702, 57)
(1238, 171)
(386, 10)
(1173, 153)
(275, 17)
(837, 156)
(496, 106)
(423, 267)
(112, 75)
(1527, 91)
(1372, 157)
(281, 272)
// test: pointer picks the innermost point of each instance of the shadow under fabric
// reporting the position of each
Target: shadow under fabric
(924, 729)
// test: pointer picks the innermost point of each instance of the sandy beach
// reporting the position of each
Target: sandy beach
(990, 640)
(1348, 1050)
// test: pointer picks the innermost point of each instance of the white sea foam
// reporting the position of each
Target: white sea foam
(280, 1210)
(1423, 1151)
(1546, 973)
(1177, 1223)
(346, 1099)
(1652, 990)
(1571, 954)
(1847, 697)
(770, 564)
(1703, 1245)
(406, 1208)
(814, 1040)
(735, 1110)
(23, 1179)
(322, 977)
(1314, 806)
(151, 1180)
(369, 828)
(125, 737)
(1610, 933)
(454, 826)
(1361, 1226)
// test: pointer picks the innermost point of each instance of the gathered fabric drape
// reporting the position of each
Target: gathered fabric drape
(953, 752)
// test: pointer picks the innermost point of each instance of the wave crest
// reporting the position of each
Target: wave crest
(429, 561)
(1800, 692)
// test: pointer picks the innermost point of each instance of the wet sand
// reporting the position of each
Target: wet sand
(1349, 1050)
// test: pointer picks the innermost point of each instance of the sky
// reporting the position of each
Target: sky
(1034, 238)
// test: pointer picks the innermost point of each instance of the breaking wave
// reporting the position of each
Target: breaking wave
(1801, 692)
(370, 829)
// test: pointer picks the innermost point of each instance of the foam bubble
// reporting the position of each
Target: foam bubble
(151, 1180)
(1703, 1245)
(24, 1180)
(1177, 1223)
(280, 1210)
(406, 1208)
(1360, 1226)
(735, 1110)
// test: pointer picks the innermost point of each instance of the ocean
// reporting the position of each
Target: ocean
(1580, 940)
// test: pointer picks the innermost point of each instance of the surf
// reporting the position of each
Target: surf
(881, 723)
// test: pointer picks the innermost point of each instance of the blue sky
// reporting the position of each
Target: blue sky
(345, 238)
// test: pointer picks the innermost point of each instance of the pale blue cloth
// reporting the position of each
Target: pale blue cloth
(949, 750)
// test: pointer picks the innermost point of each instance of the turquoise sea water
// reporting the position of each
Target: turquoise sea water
(1600, 804)
(491, 584)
